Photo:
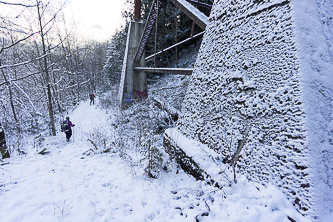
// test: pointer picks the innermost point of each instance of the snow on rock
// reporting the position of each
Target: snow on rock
(264, 75)
(198, 151)
(316, 64)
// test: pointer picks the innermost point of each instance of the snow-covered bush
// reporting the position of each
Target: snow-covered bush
(100, 140)
(109, 99)
(139, 139)
(152, 154)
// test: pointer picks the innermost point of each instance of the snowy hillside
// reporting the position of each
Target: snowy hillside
(68, 185)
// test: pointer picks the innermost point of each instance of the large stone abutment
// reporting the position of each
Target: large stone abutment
(261, 98)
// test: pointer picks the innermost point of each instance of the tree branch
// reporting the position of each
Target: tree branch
(17, 4)
(17, 42)
(22, 63)
(24, 77)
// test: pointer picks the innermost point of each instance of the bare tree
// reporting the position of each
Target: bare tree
(10, 24)
(42, 66)
(42, 31)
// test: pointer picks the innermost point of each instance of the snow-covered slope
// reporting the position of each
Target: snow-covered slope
(66, 185)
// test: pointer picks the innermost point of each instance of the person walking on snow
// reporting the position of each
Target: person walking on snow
(69, 131)
(92, 98)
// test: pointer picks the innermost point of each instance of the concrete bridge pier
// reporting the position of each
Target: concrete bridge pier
(133, 83)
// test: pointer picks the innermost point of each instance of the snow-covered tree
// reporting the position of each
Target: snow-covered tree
(115, 55)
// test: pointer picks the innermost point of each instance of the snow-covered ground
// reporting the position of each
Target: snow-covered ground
(66, 185)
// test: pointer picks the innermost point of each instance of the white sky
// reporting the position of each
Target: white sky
(96, 19)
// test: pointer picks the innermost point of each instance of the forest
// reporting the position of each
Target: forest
(46, 70)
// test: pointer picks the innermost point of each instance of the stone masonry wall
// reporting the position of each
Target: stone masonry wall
(246, 85)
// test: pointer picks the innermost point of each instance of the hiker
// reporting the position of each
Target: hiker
(92, 98)
(67, 127)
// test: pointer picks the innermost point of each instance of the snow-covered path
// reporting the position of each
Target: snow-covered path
(67, 185)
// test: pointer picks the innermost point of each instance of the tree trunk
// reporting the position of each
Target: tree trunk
(78, 87)
(3, 147)
(46, 71)
(10, 96)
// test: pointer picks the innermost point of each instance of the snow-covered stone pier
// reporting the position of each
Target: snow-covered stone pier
(261, 97)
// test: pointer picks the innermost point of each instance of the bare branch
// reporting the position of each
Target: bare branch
(23, 77)
(68, 87)
(17, 4)
(22, 63)
(13, 30)
(17, 42)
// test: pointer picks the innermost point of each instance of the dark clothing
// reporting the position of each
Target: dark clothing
(92, 98)
(69, 132)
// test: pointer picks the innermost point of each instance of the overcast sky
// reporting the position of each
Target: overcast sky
(96, 19)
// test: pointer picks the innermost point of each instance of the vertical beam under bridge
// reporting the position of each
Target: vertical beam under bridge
(137, 10)
(133, 84)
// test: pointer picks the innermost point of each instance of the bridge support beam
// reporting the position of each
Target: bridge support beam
(133, 84)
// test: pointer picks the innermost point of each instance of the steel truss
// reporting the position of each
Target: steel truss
(193, 13)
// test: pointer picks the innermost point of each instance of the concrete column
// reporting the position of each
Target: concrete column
(135, 82)
(140, 77)
(134, 39)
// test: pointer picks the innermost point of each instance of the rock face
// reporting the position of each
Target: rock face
(262, 77)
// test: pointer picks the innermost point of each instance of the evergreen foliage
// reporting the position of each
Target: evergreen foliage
(115, 56)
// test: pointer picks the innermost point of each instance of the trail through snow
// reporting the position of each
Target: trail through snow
(66, 185)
